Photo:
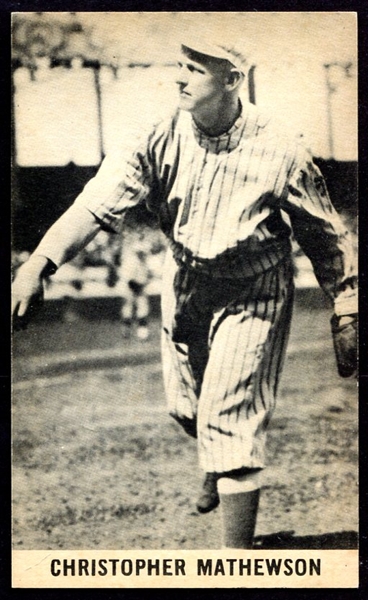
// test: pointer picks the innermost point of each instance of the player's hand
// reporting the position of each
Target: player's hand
(344, 334)
(27, 291)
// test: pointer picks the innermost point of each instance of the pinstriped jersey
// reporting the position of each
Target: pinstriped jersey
(216, 196)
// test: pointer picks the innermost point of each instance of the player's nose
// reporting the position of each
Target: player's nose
(181, 76)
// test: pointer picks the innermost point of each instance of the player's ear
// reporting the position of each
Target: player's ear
(234, 77)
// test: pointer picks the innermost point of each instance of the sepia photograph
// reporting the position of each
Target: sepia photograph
(184, 298)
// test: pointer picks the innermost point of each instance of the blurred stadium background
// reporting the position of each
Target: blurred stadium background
(84, 83)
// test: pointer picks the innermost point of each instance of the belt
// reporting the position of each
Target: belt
(235, 263)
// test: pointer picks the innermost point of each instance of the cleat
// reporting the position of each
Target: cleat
(209, 498)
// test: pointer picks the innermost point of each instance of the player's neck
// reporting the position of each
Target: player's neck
(216, 122)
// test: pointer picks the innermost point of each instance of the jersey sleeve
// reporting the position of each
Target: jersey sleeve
(123, 180)
(321, 234)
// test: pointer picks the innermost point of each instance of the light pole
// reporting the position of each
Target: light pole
(331, 89)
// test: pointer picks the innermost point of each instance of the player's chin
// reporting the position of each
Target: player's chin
(186, 101)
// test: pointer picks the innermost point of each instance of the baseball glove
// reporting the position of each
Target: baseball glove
(345, 344)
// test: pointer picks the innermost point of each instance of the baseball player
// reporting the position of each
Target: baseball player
(228, 188)
(134, 275)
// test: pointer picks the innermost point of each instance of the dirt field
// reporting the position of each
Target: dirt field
(98, 463)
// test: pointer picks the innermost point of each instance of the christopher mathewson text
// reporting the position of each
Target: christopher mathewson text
(171, 567)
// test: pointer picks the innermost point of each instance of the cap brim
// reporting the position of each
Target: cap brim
(205, 48)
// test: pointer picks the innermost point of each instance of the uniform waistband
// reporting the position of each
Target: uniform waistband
(235, 263)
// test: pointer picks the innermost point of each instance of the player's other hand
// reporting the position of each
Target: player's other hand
(344, 334)
(27, 291)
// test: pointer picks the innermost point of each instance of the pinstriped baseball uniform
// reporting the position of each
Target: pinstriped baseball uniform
(226, 204)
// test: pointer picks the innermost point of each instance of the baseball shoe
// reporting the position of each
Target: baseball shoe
(209, 498)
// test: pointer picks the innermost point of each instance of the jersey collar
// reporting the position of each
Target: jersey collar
(226, 142)
(248, 125)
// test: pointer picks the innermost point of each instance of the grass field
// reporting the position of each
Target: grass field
(98, 463)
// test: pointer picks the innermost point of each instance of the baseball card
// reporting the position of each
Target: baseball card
(185, 300)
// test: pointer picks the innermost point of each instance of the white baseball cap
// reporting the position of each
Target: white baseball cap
(209, 47)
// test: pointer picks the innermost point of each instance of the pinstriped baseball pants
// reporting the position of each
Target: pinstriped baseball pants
(221, 385)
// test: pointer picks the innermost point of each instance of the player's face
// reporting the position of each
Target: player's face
(201, 85)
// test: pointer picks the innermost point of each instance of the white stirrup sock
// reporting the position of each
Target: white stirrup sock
(240, 483)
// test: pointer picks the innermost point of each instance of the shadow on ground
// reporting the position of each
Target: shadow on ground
(343, 540)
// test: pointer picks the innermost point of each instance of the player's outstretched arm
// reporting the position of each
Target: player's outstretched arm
(69, 234)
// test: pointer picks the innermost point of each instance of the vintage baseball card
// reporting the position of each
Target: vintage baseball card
(184, 255)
